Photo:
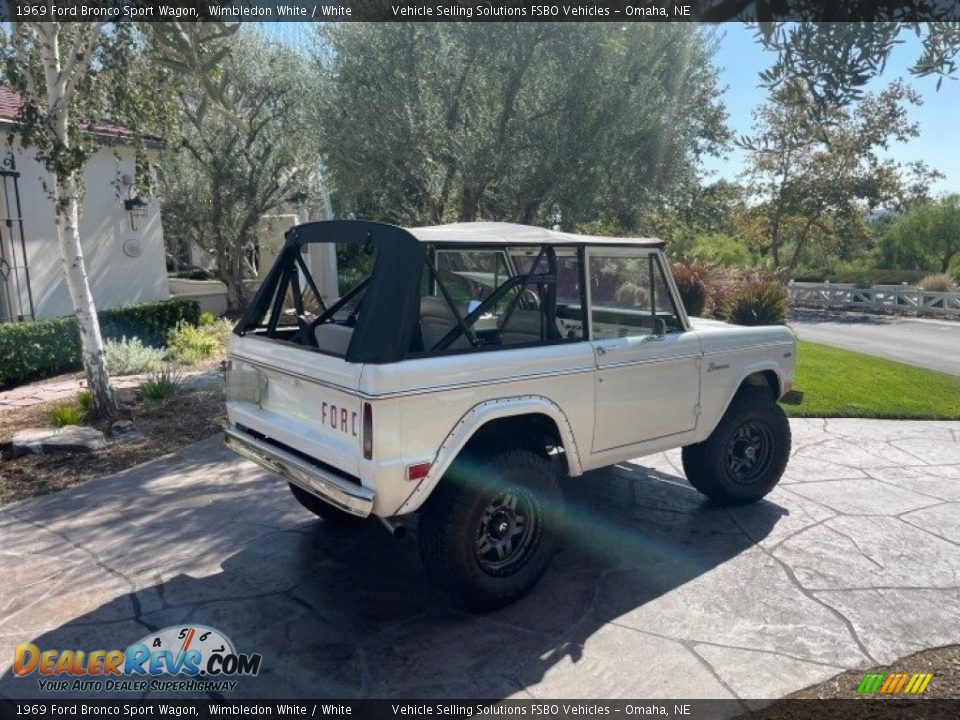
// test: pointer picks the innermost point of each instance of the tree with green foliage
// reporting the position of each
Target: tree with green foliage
(71, 78)
(567, 124)
(699, 224)
(815, 172)
(925, 238)
(248, 156)
(835, 61)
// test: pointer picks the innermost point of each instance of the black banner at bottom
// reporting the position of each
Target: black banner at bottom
(872, 708)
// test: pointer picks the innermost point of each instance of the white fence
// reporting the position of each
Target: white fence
(890, 298)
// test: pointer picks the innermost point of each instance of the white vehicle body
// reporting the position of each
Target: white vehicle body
(307, 414)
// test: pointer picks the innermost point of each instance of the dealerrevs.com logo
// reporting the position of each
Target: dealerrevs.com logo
(187, 659)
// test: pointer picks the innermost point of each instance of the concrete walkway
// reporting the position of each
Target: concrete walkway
(66, 390)
(853, 560)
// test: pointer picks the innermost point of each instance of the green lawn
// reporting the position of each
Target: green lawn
(840, 383)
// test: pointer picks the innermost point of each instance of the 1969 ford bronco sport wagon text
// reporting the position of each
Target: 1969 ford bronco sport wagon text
(457, 371)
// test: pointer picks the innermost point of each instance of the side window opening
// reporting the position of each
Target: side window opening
(297, 312)
(666, 310)
(484, 298)
(296, 296)
(629, 296)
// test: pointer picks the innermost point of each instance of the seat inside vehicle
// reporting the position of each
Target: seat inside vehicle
(436, 320)
(522, 327)
(333, 338)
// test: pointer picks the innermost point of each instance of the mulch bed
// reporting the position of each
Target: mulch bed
(160, 429)
(943, 662)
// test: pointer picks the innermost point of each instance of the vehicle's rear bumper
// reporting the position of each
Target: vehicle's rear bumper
(325, 484)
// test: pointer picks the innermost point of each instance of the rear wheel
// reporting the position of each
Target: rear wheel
(489, 530)
(328, 512)
(746, 454)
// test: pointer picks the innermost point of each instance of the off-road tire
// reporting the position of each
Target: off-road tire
(717, 466)
(325, 510)
(467, 512)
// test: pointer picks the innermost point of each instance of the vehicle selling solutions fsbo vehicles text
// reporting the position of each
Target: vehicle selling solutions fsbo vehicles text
(441, 11)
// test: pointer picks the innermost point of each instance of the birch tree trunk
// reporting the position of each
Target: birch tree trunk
(102, 400)
(60, 85)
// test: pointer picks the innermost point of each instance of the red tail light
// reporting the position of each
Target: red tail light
(367, 431)
(418, 471)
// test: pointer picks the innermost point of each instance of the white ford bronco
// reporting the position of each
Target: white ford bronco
(455, 372)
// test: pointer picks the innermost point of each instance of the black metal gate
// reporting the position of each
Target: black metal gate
(16, 297)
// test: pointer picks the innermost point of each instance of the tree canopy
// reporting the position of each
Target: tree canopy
(536, 123)
(813, 172)
(925, 238)
(835, 61)
(73, 79)
(243, 158)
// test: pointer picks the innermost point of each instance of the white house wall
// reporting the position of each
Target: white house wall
(116, 278)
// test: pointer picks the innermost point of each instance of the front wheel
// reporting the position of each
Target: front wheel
(489, 529)
(746, 454)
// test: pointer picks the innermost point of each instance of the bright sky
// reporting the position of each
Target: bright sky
(740, 58)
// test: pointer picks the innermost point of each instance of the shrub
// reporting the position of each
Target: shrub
(764, 303)
(189, 344)
(44, 348)
(859, 275)
(194, 275)
(83, 400)
(938, 282)
(810, 275)
(692, 282)
(67, 415)
(725, 283)
(161, 384)
(39, 349)
(221, 330)
(149, 321)
(207, 318)
(129, 357)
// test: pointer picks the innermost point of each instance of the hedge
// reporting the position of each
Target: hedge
(866, 277)
(45, 348)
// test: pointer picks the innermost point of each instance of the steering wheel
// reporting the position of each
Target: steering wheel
(530, 297)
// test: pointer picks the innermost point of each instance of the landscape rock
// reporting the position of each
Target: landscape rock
(211, 381)
(70, 438)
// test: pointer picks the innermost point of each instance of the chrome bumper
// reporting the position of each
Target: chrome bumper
(325, 484)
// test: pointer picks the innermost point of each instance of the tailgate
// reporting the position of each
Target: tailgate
(307, 401)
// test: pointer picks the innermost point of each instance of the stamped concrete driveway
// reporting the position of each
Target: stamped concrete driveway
(854, 560)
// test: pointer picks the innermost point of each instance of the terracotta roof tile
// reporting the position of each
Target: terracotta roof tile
(10, 103)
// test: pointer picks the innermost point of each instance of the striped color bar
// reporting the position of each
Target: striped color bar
(871, 683)
(918, 683)
(895, 683)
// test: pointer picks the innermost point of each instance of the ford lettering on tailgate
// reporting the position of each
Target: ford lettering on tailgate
(340, 418)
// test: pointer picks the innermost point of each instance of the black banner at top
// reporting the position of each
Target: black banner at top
(483, 10)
